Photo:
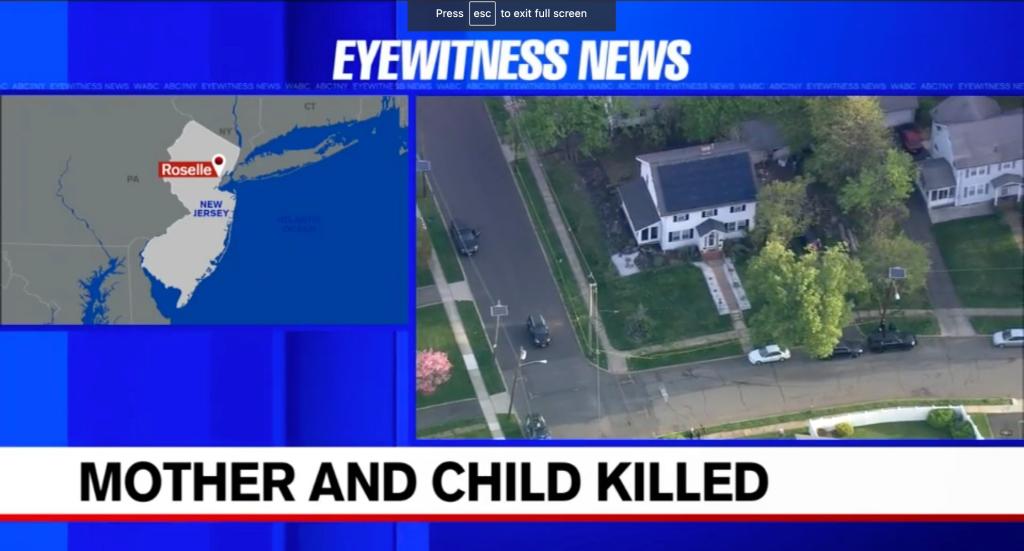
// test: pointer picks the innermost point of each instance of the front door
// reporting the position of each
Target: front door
(711, 240)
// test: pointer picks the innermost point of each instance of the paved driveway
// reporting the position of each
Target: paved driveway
(941, 292)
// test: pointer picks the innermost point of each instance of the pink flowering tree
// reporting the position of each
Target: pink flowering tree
(433, 369)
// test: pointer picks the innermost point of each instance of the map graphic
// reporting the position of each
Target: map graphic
(187, 210)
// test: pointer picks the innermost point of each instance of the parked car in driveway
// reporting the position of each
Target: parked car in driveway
(537, 327)
(1009, 337)
(884, 341)
(465, 238)
(846, 349)
(768, 354)
(535, 427)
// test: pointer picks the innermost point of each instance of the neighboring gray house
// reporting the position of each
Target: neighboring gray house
(978, 158)
(898, 110)
(697, 196)
(765, 140)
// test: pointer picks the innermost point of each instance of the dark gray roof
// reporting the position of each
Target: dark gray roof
(638, 203)
(965, 109)
(897, 103)
(937, 174)
(702, 176)
(709, 225)
(1004, 179)
(993, 140)
(761, 135)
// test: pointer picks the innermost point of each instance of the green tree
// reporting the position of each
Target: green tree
(803, 300)
(577, 125)
(708, 118)
(882, 251)
(783, 211)
(941, 418)
(848, 134)
(875, 197)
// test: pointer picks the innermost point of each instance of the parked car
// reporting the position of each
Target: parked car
(768, 354)
(537, 327)
(466, 239)
(846, 349)
(536, 428)
(884, 341)
(1009, 337)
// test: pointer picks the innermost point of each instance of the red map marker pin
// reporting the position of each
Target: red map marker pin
(218, 164)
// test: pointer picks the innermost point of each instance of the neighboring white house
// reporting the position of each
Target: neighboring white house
(898, 110)
(978, 158)
(697, 196)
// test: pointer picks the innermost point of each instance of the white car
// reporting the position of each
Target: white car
(768, 354)
(1010, 337)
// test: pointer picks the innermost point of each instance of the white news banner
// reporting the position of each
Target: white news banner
(466, 483)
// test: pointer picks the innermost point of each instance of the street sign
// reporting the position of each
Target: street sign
(422, 165)
(499, 310)
(897, 272)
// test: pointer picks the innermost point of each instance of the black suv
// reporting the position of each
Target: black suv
(884, 341)
(466, 239)
(535, 427)
(846, 349)
(537, 327)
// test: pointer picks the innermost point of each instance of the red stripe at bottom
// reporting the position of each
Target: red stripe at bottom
(511, 518)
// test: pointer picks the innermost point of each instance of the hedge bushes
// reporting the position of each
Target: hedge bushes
(941, 418)
(844, 430)
(948, 419)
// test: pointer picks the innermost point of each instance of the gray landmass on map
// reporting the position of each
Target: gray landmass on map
(77, 171)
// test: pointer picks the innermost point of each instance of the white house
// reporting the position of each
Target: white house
(697, 196)
(898, 110)
(977, 158)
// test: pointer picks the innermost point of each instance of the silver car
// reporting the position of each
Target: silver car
(1009, 337)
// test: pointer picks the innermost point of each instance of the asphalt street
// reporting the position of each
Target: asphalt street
(473, 183)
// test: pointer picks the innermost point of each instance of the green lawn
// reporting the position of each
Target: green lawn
(981, 421)
(472, 428)
(676, 298)
(496, 107)
(481, 347)
(561, 271)
(910, 430)
(433, 331)
(510, 426)
(986, 325)
(438, 230)
(837, 410)
(918, 325)
(984, 261)
(687, 355)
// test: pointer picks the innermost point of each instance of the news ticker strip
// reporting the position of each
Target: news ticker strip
(507, 482)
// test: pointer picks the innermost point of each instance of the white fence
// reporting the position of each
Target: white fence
(888, 415)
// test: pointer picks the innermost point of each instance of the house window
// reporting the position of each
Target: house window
(940, 194)
(674, 236)
(708, 213)
(680, 217)
(743, 224)
(654, 232)
(688, 234)
(738, 208)
(730, 227)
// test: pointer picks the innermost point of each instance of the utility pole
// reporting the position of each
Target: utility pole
(515, 380)
(896, 273)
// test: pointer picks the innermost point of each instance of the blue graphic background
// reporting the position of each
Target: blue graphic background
(352, 385)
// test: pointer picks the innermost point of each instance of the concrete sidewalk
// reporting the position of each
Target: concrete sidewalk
(448, 299)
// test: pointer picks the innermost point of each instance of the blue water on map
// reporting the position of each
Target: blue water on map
(307, 243)
(95, 290)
